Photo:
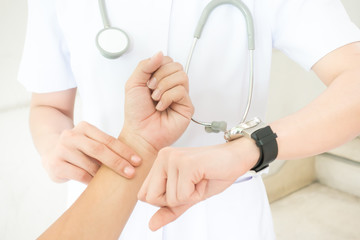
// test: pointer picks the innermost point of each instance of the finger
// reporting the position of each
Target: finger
(144, 70)
(166, 215)
(200, 190)
(102, 153)
(185, 186)
(149, 191)
(164, 71)
(171, 186)
(156, 187)
(178, 78)
(72, 172)
(114, 144)
(145, 186)
(177, 94)
(195, 193)
(191, 184)
(82, 161)
(166, 60)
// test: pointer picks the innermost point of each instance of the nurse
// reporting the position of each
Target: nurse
(60, 58)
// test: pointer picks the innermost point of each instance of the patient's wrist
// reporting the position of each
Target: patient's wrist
(139, 145)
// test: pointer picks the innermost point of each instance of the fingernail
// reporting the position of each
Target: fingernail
(156, 94)
(152, 83)
(129, 171)
(159, 106)
(135, 159)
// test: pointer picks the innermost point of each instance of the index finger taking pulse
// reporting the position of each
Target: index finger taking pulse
(110, 151)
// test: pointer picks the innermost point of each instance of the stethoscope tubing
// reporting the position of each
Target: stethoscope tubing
(213, 126)
(103, 12)
(251, 47)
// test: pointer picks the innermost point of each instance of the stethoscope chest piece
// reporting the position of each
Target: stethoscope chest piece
(112, 42)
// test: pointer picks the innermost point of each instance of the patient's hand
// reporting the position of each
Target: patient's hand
(157, 104)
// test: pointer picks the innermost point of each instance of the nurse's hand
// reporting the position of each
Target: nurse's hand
(78, 153)
(182, 177)
(157, 104)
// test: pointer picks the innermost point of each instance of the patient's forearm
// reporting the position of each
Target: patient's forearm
(102, 210)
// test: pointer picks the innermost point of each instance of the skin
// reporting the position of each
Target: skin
(102, 210)
(182, 177)
(176, 182)
(74, 152)
(71, 152)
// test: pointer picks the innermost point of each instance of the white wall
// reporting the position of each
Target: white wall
(12, 25)
(29, 201)
(291, 87)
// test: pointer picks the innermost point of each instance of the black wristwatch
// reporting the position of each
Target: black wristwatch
(263, 136)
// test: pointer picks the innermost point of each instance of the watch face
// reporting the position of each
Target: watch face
(238, 131)
(251, 123)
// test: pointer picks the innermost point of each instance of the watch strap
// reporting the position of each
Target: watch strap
(265, 139)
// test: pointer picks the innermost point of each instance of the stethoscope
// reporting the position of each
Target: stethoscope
(113, 42)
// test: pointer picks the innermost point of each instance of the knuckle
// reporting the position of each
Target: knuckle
(160, 87)
(92, 169)
(150, 199)
(178, 66)
(118, 165)
(165, 97)
(164, 152)
(176, 154)
(183, 198)
(109, 140)
(168, 59)
(171, 202)
(140, 196)
(184, 76)
(172, 158)
(182, 89)
(166, 156)
(81, 176)
(67, 133)
(52, 165)
(188, 163)
(56, 179)
(56, 175)
(142, 63)
(82, 125)
(196, 198)
(97, 148)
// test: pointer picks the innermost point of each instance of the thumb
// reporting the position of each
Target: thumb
(145, 69)
(166, 215)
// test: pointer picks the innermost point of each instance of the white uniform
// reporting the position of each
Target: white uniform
(60, 53)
